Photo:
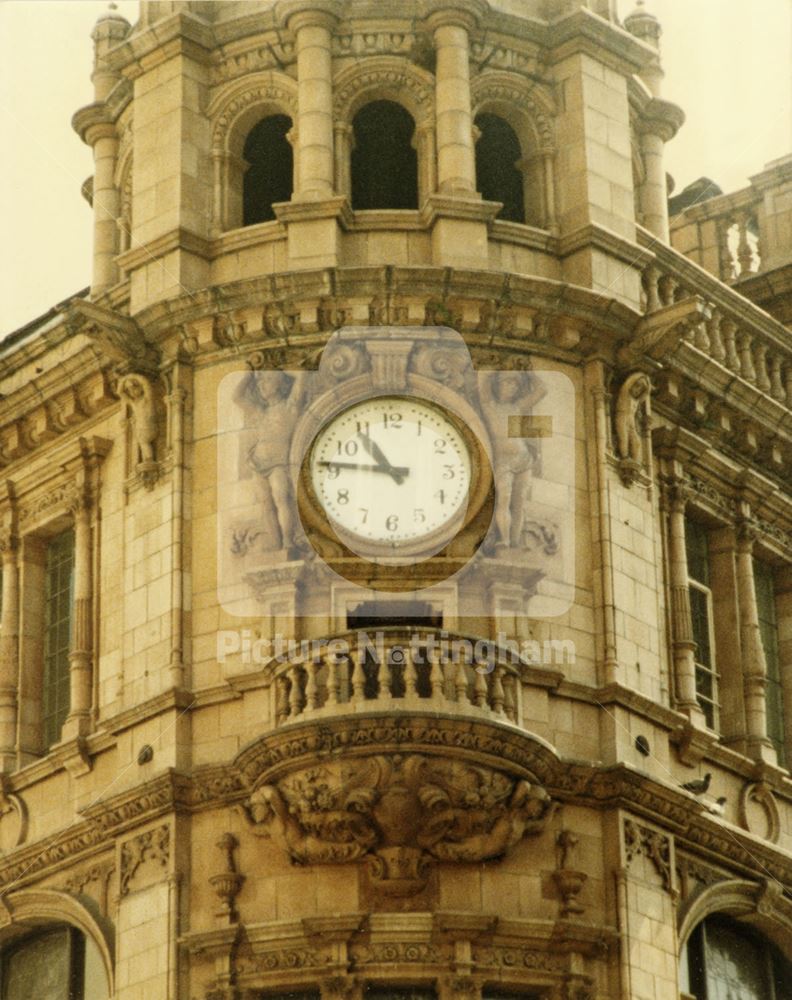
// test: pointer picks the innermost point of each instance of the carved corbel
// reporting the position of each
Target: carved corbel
(659, 333)
(692, 744)
(118, 337)
(11, 803)
(569, 881)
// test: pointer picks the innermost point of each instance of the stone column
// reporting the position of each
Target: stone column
(548, 171)
(106, 207)
(427, 161)
(219, 177)
(681, 621)
(108, 32)
(80, 667)
(783, 593)
(312, 26)
(456, 161)
(653, 194)
(754, 664)
(9, 651)
(344, 144)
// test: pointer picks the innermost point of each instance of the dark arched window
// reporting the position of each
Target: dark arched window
(269, 178)
(384, 163)
(725, 958)
(57, 963)
(497, 174)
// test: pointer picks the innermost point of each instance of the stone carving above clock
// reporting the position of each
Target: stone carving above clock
(274, 509)
(400, 813)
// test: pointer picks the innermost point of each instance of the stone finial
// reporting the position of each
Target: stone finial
(644, 25)
(227, 884)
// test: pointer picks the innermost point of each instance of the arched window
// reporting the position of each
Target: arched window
(384, 162)
(270, 177)
(56, 963)
(725, 959)
(498, 175)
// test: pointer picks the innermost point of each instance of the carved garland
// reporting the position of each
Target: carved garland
(398, 812)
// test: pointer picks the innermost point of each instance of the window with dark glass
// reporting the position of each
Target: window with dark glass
(768, 629)
(59, 963)
(58, 604)
(498, 174)
(291, 995)
(400, 993)
(384, 163)
(497, 994)
(269, 178)
(724, 960)
(697, 548)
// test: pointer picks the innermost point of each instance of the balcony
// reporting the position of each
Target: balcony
(399, 669)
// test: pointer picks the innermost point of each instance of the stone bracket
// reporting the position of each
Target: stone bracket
(118, 337)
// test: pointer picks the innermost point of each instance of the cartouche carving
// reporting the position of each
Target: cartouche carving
(401, 812)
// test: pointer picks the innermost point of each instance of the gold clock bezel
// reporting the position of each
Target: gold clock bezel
(380, 562)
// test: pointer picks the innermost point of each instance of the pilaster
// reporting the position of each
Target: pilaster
(9, 637)
(172, 177)
(754, 664)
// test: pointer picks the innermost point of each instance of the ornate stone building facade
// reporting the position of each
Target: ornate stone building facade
(535, 747)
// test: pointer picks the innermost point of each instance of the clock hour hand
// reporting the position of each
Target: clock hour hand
(397, 474)
(390, 470)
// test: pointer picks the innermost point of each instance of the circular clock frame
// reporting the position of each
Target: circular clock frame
(433, 557)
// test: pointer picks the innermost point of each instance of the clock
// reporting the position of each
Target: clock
(392, 474)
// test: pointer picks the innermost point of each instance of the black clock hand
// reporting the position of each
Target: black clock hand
(389, 470)
(377, 454)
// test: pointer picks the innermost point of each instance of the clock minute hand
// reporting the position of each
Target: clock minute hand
(387, 470)
(379, 457)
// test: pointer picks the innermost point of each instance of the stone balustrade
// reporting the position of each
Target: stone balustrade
(735, 333)
(724, 234)
(399, 669)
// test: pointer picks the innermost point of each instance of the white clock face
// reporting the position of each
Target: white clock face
(392, 470)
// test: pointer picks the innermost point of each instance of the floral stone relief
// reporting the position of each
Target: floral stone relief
(401, 812)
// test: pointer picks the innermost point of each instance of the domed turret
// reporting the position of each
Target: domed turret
(110, 29)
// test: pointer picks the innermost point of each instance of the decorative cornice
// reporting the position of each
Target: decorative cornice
(177, 239)
(502, 747)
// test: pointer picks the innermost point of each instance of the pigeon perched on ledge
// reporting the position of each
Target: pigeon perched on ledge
(717, 808)
(699, 785)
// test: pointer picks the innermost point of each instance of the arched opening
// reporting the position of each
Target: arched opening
(57, 962)
(384, 161)
(725, 958)
(498, 176)
(269, 178)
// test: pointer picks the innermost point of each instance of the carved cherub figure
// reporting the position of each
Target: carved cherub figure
(506, 394)
(269, 456)
(632, 406)
(137, 392)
